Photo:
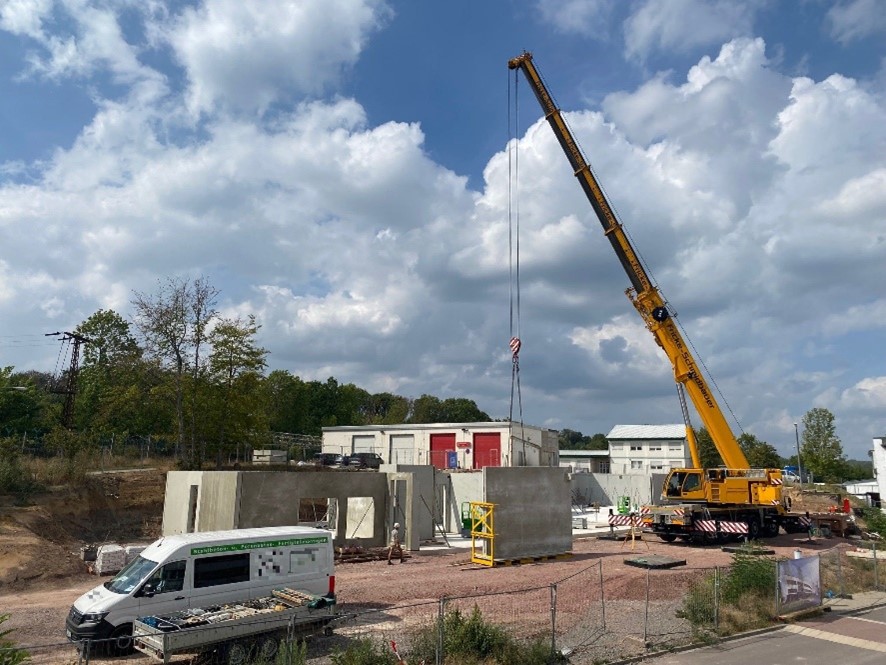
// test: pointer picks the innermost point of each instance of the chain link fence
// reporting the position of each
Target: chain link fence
(591, 616)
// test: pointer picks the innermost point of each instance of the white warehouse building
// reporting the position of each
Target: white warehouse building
(449, 445)
(648, 449)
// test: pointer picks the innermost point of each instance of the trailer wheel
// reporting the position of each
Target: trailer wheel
(267, 648)
(237, 653)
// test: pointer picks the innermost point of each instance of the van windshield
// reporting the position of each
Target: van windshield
(131, 576)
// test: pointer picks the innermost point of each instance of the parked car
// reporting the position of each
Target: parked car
(366, 460)
(342, 460)
(325, 459)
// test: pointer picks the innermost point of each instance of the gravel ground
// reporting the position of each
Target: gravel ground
(517, 595)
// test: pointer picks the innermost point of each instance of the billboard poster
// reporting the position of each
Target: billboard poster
(799, 584)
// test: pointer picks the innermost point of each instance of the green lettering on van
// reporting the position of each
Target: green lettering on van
(239, 547)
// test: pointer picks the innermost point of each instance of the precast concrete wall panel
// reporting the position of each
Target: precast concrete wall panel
(218, 501)
(606, 488)
(532, 513)
(176, 502)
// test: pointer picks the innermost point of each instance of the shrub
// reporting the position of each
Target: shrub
(750, 573)
(14, 478)
(292, 653)
(472, 640)
(364, 651)
(9, 654)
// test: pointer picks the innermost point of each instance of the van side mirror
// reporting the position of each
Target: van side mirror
(147, 591)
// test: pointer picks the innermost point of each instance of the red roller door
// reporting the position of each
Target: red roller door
(487, 449)
(441, 444)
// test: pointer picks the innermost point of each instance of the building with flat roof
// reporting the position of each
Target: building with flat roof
(647, 449)
(449, 445)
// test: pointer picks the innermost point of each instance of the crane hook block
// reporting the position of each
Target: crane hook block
(661, 314)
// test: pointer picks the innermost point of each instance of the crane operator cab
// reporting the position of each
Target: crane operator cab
(684, 484)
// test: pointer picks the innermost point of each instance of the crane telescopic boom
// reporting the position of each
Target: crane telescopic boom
(643, 294)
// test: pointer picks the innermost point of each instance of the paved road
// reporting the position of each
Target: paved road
(831, 638)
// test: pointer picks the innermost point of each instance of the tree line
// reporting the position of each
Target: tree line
(195, 382)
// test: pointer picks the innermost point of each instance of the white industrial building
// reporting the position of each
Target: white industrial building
(878, 457)
(449, 445)
(585, 461)
(648, 449)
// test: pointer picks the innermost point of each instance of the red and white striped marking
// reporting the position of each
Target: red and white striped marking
(515, 345)
(725, 527)
(679, 512)
(623, 520)
(645, 510)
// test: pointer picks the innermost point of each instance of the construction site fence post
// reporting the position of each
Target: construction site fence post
(841, 554)
(553, 618)
(441, 615)
(876, 567)
(717, 599)
(602, 598)
(646, 611)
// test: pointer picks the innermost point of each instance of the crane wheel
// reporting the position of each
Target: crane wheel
(668, 537)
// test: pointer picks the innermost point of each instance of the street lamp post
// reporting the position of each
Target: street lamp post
(799, 465)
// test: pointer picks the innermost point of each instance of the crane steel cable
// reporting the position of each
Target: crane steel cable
(514, 252)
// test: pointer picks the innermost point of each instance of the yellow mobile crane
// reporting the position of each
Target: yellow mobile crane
(717, 504)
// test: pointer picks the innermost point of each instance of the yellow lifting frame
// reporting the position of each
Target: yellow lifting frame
(482, 533)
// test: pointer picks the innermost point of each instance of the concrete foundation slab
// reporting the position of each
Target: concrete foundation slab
(654, 561)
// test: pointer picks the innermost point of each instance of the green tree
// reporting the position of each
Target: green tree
(287, 403)
(174, 323)
(426, 409)
(760, 454)
(707, 451)
(821, 449)
(461, 410)
(235, 367)
(387, 409)
(9, 655)
(569, 439)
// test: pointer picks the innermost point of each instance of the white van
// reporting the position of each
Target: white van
(202, 569)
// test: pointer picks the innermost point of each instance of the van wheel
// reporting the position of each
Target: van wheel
(120, 643)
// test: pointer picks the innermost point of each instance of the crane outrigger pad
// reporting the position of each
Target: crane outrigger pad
(744, 549)
(654, 561)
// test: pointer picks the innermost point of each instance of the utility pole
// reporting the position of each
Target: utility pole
(71, 388)
(799, 465)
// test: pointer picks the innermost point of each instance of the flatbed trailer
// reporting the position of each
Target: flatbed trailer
(236, 632)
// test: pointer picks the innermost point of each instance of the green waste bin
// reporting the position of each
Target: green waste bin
(466, 518)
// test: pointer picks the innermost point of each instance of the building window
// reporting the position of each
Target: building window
(604, 467)
(636, 446)
(656, 466)
(658, 448)
(636, 465)
(675, 447)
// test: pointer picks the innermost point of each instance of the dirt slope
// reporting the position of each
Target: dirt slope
(40, 543)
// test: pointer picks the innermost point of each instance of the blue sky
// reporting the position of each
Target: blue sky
(340, 169)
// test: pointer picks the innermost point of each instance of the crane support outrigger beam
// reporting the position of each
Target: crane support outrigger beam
(643, 294)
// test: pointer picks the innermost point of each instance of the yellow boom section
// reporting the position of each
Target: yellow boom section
(643, 294)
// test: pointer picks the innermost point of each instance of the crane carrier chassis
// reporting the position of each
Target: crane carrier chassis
(702, 523)
(236, 632)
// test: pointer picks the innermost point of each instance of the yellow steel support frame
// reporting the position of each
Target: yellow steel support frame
(482, 533)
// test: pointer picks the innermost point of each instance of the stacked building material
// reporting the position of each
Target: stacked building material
(109, 559)
(132, 551)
